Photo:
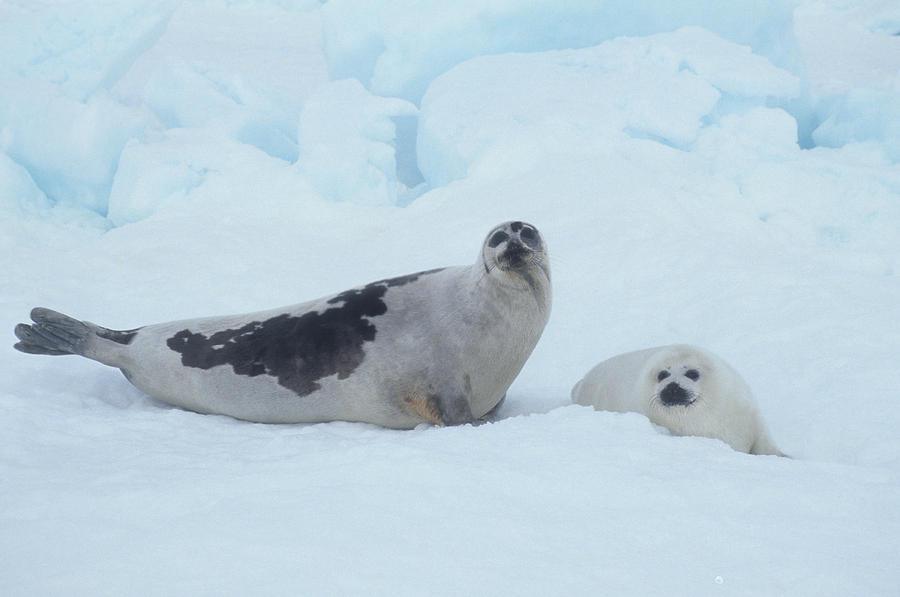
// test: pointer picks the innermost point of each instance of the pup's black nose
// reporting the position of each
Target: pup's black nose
(674, 394)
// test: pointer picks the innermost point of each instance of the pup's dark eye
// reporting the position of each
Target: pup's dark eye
(529, 235)
(662, 375)
(498, 238)
(692, 374)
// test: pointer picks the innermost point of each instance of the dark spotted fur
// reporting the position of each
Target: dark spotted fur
(297, 350)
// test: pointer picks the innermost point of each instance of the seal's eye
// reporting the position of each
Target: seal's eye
(662, 375)
(529, 235)
(497, 238)
(692, 374)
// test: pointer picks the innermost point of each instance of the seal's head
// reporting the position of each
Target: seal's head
(677, 385)
(681, 377)
(515, 248)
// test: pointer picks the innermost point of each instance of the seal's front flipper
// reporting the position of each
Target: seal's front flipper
(455, 409)
(439, 410)
(493, 414)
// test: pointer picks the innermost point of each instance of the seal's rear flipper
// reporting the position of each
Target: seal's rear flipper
(52, 333)
(764, 445)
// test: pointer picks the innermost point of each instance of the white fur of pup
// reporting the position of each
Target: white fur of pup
(686, 389)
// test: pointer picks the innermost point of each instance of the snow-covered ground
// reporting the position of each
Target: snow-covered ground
(727, 177)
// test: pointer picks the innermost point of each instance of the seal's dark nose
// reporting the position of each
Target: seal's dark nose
(674, 394)
(516, 253)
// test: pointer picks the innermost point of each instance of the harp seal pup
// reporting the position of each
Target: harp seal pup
(686, 389)
(439, 346)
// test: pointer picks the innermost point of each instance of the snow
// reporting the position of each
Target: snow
(663, 87)
(343, 123)
(726, 178)
(398, 47)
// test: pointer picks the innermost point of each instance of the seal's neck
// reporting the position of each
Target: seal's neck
(524, 290)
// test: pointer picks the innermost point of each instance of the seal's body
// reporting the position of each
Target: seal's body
(686, 389)
(440, 346)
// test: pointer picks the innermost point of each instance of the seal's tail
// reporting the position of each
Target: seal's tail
(52, 333)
